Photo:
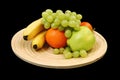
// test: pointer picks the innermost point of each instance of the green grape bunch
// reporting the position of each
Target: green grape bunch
(60, 19)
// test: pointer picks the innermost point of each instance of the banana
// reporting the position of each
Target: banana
(33, 29)
(39, 40)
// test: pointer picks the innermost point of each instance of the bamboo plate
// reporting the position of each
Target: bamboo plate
(46, 58)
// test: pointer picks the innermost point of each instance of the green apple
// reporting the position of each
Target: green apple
(83, 39)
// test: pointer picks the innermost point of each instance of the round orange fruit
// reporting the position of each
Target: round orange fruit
(56, 38)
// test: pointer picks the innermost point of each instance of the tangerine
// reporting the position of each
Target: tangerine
(87, 24)
(55, 38)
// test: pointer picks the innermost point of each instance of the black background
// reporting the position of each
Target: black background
(16, 15)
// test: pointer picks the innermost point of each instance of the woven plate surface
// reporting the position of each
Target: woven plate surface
(46, 58)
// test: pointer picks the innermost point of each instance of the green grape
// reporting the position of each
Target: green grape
(61, 28)
(49, 19)
(59, 11)
(77, 27)
(72, 23)
(57, 21)
(64, 23)
(78, 21)
(83, 53)
(68, 33)
(61, 50)
(46, 25)
(56, 51)
(76, 54)
(43, 21)
(68, 55)
(61, 16)
(67, 16)
(49, 11)
(67, 48)
(68, 11)
(79, 16)
(65, 51)
(53, 15)
(72, 17)
(54, 26)
(44, 14)
(74, 13)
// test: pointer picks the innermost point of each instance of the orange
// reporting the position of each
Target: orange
(56, 38)
(87, 24)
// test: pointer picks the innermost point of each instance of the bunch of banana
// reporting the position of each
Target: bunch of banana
(35, 32)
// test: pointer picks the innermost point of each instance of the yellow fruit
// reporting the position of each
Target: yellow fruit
(39, 40)
(33, 29)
